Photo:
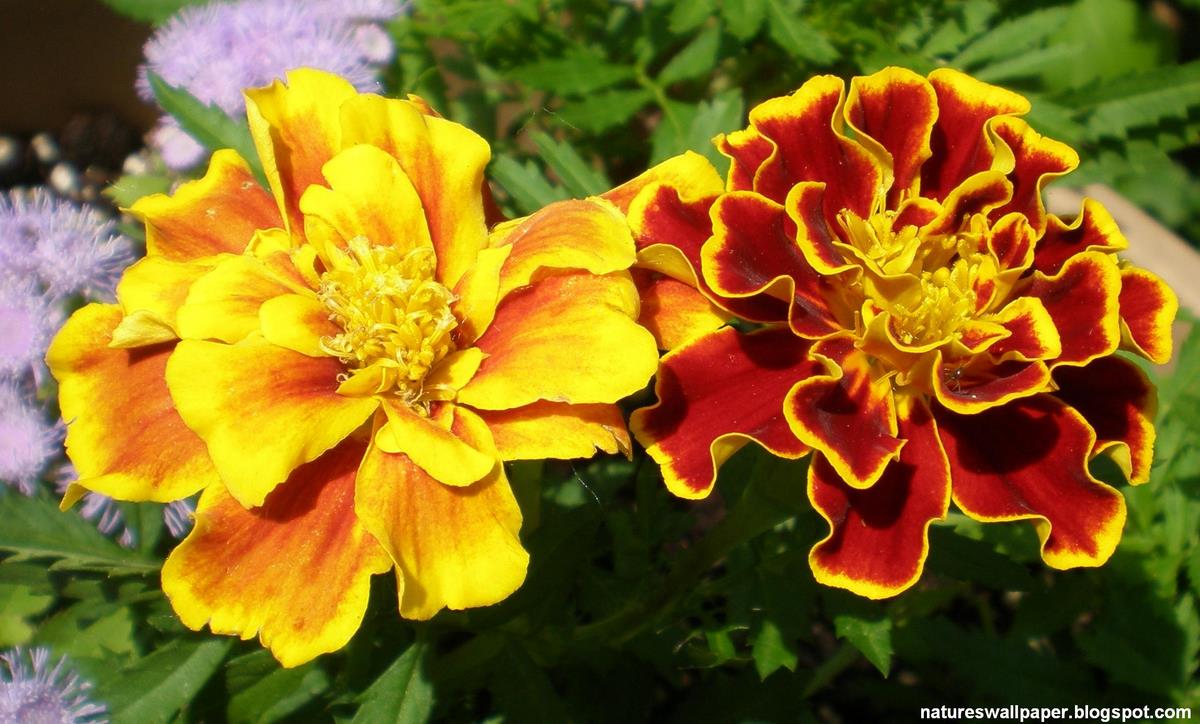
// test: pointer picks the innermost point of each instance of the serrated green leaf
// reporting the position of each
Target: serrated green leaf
(208, 125)
(1029, 64)
(579, 178)
(743, 18)
(687, 16)
(156, 687)
(89, 629)
(771, 650)
(277, 694)
(34, 528)
(525, 184)
(721, 114)
(797, 38)
(1012, 37)
(601, 111)
(694, 60)
(401, 694)
(577, 73)
(150, 11)
(18, 603)
(1169, 92)
(872, 637)
(128, 189)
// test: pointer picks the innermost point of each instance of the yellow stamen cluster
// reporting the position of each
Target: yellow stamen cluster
(937, 307)
(395, 317)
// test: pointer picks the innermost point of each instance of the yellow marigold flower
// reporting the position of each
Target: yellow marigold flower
(923, 326)
(342, 369)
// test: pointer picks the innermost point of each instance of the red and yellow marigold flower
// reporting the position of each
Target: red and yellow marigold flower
(342, 364)
(919, 321)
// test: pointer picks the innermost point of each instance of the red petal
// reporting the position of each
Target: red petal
(813, 235)
(715, 394)
(1083, 301)
(747, 150)
(1093, 229)
(1038, 160)
(1148, 307)
(1118, 401)
(1029, 461)
(851, 418)
(897, 108)
(971, 391)
(878, 537)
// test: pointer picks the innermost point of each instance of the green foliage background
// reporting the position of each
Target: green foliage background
(640, 607)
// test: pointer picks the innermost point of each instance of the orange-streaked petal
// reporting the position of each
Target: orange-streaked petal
(1092, 230)
(1148, 307)
(557, 430)
(296, 571)
(896, 108)
(1120, 403)
(218, 213)
(846, 414)
(566, 235)
(223, 304)
(262, 410)
(1038, 160)
(715, 394)
(960, 144)
(296, 129)
(432, 445)
(369, 195)
(568, 338)
(297, 322)
(445, 162)
(1028, 460)
(879, 537)
(674, 312)
(454, 547)
(1082, 298)
(689, 173)
(124, 435)
(150, 293)
(477, 294)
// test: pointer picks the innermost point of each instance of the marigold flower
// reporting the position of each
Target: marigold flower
(342, 363)
(925, 327)
(33, 691)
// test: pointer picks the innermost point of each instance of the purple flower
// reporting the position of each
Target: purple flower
(100, 509)
(28, 320)
(178, 517)
(33, 691)
(67, 249)
(214, 51)
(27, 441)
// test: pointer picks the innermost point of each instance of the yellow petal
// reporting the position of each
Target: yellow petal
(556, 430)
(223, 304)
(431, 444)
(297, 322)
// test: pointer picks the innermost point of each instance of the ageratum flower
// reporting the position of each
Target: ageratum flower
(28, 319)
(28, 442)
(33, 691)
(342, 363)
(217, 49)
(920, 322)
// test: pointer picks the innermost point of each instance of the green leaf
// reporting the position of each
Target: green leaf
(525, 184)
(1029, 64)
(696, 59)
(19, 602)
(1012, 37)
(743, 18)
(771, 650)
(150, 11)
(579, 178)
(523, 690)
(1143, 100)
(34, 528)
(277, 694)
(89, 629)
(128, 189)
(960, 558)
(400, 694)
(601, 111)
(154, 688)
(687, 16)
(721, 114)
(873, 637)
(208, 125)
(578, 73)
(797, 38)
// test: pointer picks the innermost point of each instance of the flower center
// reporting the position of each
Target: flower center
(395, 317)
(932, 310)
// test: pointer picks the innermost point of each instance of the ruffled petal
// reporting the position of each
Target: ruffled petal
(296, 129)
(567, 235)
(431, 443)
(1031, 332)
(557, 430)
(689, 173)
(453, 547)
(218, 213)
(124, 435)
(224, 303)
(476, 295)
(445, 162)
(674, 312)
(1082, 298)
(296, 571)
(816, 240)
(896, 108)
(568, 338)
(879, 537)
(1093, 229)
(1120, 403)
(961, 146)
(297, 322)
(1038, 160)
(150, 293)
(715, 394)
(1147, 307)
(1029, 461)
(747, 151)
(847, 415)
(262, 410)
(969, 390)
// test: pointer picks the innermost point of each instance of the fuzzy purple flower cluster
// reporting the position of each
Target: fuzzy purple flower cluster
(216, 50)
(31, 690)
